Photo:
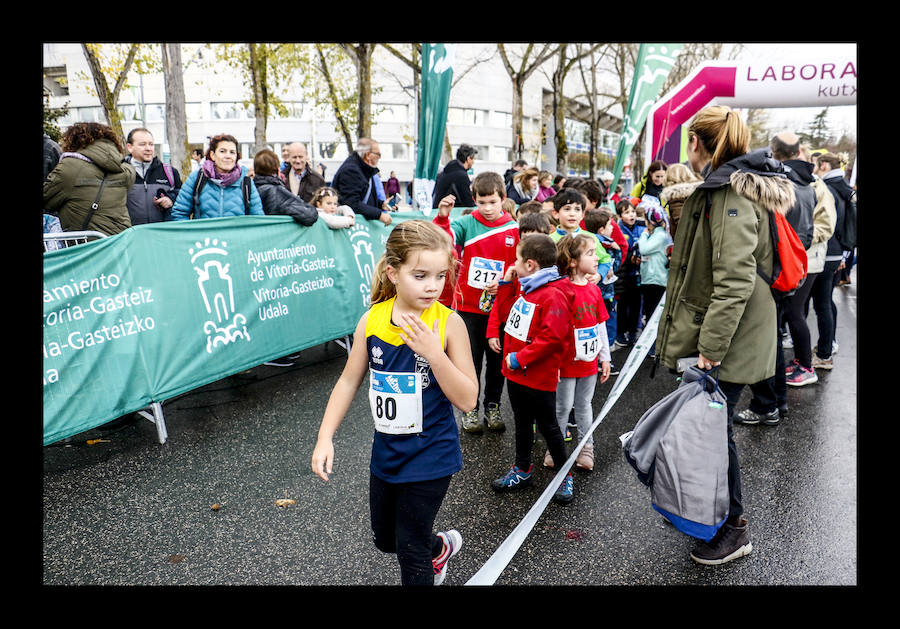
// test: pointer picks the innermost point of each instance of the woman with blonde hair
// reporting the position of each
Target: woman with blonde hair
(680, 183)
(719, 311)
(524, 186)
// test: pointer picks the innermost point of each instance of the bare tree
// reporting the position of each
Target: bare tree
(518, 76)
(361, 55)
(564, 64)
(593, 98)
(334, 98)
(109, 98)
(176, 119)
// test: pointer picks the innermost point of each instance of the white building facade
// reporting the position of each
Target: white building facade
(480, 110)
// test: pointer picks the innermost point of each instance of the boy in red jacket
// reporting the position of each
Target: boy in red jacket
(488, 237)
(538, 319)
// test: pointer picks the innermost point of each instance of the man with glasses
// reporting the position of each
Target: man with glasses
(354, 182)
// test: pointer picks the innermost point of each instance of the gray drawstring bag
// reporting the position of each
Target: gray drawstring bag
(679, 448)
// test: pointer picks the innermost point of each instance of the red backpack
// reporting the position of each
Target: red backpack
(789, 261)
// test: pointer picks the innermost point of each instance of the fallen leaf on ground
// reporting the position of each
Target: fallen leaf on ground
(176, 558)
(216, 507)
(284, 502)
(91, 442)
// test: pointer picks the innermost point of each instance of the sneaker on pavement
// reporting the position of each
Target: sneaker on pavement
(787, 343)
(802, 376)
(751, 418)
(516, 478)
(470, 422)
(789, 368)
(566, 492)
(492, 417)
(731, 542)
(613, 370)
(822, 363)
(548, 460)
(568, 435)
(585, 459)
(452, 543)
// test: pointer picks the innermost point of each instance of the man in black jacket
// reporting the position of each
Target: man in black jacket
(155, 186)
(454, 179)
(353, 182)
(769, 402)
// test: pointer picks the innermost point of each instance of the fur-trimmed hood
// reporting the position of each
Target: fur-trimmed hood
(757, 176)
(679, 191)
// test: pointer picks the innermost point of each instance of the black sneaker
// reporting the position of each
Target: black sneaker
(731, 542)
(613, 370)
(749, 418)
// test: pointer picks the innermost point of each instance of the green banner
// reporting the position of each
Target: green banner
(437, 76)
(653, 65)
(164, 308)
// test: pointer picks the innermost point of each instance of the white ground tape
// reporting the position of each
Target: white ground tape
(496, 563)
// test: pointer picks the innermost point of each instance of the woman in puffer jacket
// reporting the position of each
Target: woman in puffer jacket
(719, 311)
(275, 196)
(222, 193)
(92, 156)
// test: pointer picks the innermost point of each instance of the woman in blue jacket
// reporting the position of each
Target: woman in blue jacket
(222, 189)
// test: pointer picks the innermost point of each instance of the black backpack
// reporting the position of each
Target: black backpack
(847, 235)
(201, 181)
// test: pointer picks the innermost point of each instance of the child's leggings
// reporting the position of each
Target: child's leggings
(402, 520)
(532, 406)
(577, 393)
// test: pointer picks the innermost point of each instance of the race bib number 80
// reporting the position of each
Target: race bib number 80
(395, 400)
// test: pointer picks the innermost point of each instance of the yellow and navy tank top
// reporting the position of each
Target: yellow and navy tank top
(434, 452)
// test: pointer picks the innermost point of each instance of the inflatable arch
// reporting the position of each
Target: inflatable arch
(822, 82)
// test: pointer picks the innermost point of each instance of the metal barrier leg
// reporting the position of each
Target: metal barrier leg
(156, 418)
(345, 342)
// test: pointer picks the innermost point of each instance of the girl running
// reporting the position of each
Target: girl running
(420, 365)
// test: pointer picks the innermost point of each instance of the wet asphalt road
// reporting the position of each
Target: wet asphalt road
(130, 511)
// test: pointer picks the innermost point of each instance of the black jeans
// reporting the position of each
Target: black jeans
(732, 393)
(402, 516)
(796, 321)
(629, 310)
(532, 406)
(823, 304)
(476, 326)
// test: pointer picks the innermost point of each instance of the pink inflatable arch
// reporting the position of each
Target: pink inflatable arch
(821, 82)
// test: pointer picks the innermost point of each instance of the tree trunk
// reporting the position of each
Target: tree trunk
(176, 119)
(334, 99)
(109, 98)
(364, 81)
(258, 68)
(518, 144)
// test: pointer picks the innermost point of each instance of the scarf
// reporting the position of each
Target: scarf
(538, 279)
(225, 180)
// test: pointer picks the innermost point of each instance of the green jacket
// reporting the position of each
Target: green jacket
(71, 189)
(716, 303)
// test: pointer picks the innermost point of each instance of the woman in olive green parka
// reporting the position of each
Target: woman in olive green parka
(718, 310)
(91, 152)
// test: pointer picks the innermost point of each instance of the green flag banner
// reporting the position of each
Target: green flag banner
(653, 65)
(164, 308)
(437, 75)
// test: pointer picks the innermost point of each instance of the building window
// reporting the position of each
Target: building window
(156, 112)
(471, 117)
(394, 150)
(230, 111)
(89, 114)
(391, 113)
(129, 113)
(193, 111)
(501, 119)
